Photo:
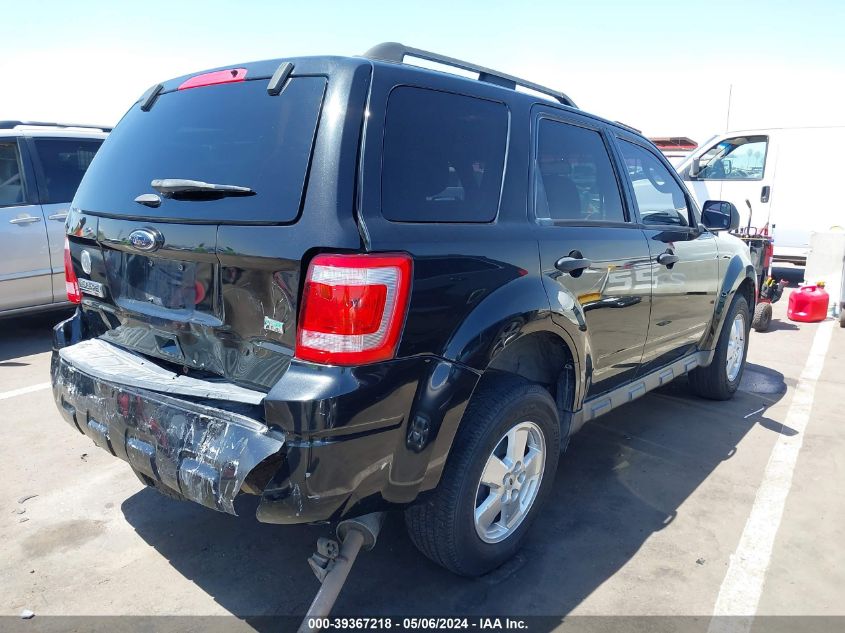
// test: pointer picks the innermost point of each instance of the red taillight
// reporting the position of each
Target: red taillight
(231, 75)
(353, 308)
(71, 283)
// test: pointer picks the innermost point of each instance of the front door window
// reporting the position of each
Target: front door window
(660, 199)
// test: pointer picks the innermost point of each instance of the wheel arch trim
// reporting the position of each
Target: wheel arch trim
(739, 276)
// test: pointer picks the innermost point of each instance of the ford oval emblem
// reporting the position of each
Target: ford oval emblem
(85, 260)
(145, 239)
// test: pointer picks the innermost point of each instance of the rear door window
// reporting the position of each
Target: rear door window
(574, 179)
(63, 163)
(443, 158)
(228, 134)
(11, 175)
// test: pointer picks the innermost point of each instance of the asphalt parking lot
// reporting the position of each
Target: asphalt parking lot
(649, 515)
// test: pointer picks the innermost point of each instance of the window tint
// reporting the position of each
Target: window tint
(229, 134)
(574, 178)
(740, 158)
(11, 178)
(659, 198)
(443, 158)
(64, 162)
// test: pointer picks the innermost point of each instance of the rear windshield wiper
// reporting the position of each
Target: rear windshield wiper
(180, 188)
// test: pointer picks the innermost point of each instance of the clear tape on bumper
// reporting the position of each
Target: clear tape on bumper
(109, 362)
(203, 452)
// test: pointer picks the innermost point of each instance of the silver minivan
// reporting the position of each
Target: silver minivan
(41, 165)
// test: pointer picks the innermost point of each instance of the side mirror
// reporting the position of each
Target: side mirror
(695, 168)
(718, 215)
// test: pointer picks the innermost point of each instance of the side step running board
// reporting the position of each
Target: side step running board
(606, 402)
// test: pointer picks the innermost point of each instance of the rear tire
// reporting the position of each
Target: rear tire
(762, 317)
(449, 525)
(721, 378)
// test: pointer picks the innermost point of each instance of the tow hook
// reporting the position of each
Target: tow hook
(332, 562)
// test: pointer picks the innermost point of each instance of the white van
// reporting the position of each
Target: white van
(784, 173)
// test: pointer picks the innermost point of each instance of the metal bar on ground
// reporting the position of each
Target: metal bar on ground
(354, 534)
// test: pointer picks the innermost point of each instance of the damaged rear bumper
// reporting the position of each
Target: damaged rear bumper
(202, 452)
(324, 443)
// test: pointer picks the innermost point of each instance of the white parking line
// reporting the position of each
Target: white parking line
(742, 587)
(23, 390)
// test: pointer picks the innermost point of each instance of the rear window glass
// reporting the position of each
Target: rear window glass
(63, 163)
(228, 134)
(444, 156)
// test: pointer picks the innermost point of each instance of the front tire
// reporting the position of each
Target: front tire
(500, 470)
(721, 378)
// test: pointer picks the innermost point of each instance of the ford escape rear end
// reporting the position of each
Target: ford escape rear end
(351, 284)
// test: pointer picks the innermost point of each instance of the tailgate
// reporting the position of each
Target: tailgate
(207, 281)
(232, 316)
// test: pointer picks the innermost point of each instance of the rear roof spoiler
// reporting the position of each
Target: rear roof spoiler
(11, 125)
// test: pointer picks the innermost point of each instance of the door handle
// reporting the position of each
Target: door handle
(764, 193)
(61, 216)
(668, 259)
(573, 264)
(29, 219)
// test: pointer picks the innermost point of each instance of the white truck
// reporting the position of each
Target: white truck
(782, 172)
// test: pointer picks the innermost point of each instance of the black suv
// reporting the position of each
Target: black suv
(352, 284)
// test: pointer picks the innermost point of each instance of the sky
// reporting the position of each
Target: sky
(666, 68)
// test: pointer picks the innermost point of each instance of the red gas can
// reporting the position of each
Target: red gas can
(808, 304)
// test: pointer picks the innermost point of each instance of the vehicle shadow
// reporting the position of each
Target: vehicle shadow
(779, 325)
(624, 477)
(27, 335)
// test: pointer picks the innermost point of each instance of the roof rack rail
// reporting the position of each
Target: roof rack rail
(10, 125)
(395, 52)
(628, 127)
